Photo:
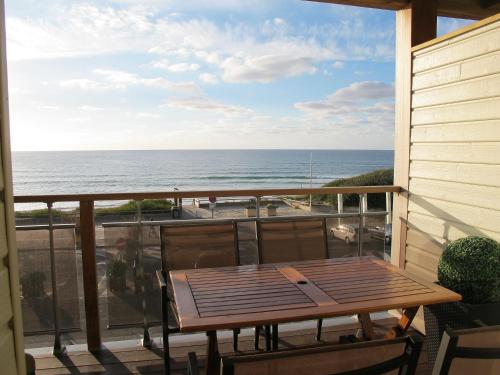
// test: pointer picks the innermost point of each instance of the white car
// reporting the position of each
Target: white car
(345, 232)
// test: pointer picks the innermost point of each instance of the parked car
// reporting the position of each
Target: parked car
(383, 233)
(346, 232)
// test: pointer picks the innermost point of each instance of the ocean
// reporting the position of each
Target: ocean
(69, 172)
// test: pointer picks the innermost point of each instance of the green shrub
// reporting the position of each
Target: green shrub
(471, 267)
(130, 206)
(379, 177)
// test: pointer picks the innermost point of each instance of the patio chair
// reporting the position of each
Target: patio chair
(290, 240)
(363, 358)
(469, 351)
(189, 246)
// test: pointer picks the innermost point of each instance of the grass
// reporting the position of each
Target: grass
(147, 205)
(376, 178)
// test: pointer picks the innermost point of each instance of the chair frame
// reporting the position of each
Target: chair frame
(288, 220)
(272, 335)
(406, 362)
(162, 276)
(449, 349)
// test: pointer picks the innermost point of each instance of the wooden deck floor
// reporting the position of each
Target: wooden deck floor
(138, 360)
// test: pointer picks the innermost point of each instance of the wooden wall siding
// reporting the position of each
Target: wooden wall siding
(454, 188)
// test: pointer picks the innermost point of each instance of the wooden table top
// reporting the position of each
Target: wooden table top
(232, 297)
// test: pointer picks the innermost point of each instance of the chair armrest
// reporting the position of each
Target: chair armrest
(192, 364)
(161, 279)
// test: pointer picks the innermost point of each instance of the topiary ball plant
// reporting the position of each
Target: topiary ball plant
(470, 266)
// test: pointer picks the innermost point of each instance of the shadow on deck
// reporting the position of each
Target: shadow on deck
(138, 360)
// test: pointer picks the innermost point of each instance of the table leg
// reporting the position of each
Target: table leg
(213, 357)
(403, 324)
(267, 328)
(366, 326)
(275, 337)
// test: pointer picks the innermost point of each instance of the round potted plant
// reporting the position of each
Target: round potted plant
(469, 266)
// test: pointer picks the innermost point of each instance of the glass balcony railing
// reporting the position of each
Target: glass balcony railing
(87, 274)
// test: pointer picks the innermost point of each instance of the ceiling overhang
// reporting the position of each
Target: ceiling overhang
(470, 9)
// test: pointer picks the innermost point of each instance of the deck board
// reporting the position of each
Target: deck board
(138, 360)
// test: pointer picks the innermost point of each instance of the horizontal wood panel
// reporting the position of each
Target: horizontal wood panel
(416, 269)
(484, 87)
(480, 153)
(487, 175)
(422, 240)
(423, 258)
(478, 42)
(448, 231)
(463, 70)
(487, 109)
(455, 212)
(478, 131)
(472, 195)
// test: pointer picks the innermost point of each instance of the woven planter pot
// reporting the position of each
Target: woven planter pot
(456, 315)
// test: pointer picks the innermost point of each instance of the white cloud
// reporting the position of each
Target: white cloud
(338, 65)
(360, 103)
(208, 78)
(243, 52)
(88, 84)
(148, 115)
(175, 68)
(118, 79)
(49, 107)
(265, 69)
(90, 108)
(209, 105)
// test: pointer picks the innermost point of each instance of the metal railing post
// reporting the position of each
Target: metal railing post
(361, 226)
(340, 206)
(257, 207)
(388, 208)
(58, 347)
(147, 342)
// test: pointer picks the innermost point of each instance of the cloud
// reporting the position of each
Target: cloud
(363, 90)
(119, 80)
(175, 68)
(359, 103)
(338, 65)
(244, 52)
(208, 78)
(265, 69)
(90, 108)
(209, 105)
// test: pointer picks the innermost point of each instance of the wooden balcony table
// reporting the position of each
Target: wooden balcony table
(234, 297)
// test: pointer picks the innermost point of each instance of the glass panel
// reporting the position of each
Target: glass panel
(343, 237)
(123, 286)
(35, 277)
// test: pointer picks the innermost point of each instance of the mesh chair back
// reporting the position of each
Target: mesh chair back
(292, 240)
(199, 245)
(374, 357)
(469, 351)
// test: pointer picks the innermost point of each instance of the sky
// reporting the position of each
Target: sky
(219, 74)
